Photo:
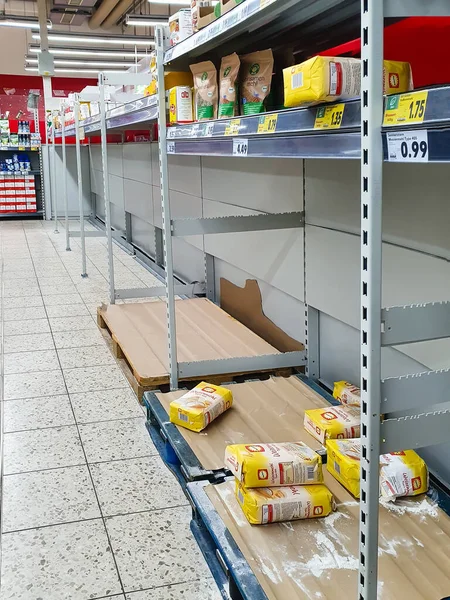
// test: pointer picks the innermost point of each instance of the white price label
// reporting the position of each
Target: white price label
(209, 129)
(170, 133)
(240, 147)
(170, 147)
(407, 146)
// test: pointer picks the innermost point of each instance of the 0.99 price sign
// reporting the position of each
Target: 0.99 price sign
(407, 146)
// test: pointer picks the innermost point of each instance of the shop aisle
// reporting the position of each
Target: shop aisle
(89, 510)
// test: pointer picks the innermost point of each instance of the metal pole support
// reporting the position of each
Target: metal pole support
(371, 280)
(80, 187)
(64, 157)
(53, 176)
(166, 218)
(104, 144)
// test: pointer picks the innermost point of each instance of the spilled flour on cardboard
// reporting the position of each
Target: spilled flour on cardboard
(329, 558)
(423, 509)
(271, 572)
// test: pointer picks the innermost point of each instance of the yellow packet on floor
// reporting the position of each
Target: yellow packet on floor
(200, 406)
(347, 393)
(271, 505)
(401, 473)
(333, 422)
(262, 465)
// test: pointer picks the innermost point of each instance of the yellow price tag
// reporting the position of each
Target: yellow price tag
(264, 3)
(233, 127)
(329, 117)
(267, 124)
(21, 148)
(405, 108)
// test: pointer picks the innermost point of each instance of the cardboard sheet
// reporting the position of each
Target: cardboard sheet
(204, 331)
(245, 305)
(317, 559)
(262, 411)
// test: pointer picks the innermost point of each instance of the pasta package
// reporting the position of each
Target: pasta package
(262, 465)
(271, 505)
(205, 90)
(401, 473)
(327, 79)
(340, 422)
(347, 393)
(229, 72)
(256, 79)
(200, 406)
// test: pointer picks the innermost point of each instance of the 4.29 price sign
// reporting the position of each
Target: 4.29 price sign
(407, 146)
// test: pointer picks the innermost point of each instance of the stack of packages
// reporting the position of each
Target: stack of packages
(401, 473)
(279, 482)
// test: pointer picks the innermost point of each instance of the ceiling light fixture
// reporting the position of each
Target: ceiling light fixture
(115, 40)
(145, 20)
(24, 22)
(93, 71)
(89, 52)
(82, 63)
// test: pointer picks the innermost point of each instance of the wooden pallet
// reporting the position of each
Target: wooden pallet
(138, 338)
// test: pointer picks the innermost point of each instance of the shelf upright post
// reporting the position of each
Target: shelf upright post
(101, 85)
(64, 158)
(166, 218)
(80, 185)
(53, 176)
(371, 281)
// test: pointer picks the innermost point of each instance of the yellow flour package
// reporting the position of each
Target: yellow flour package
(328, 79)
(200, 406)
(262, 465)
(347, 393)
(401, 473)
(340, 422)
(271, 505)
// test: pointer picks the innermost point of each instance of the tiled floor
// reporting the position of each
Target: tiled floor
(89, 509)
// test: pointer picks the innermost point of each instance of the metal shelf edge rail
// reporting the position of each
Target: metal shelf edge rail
(64, 157)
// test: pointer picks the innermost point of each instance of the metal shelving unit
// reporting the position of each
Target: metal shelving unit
(373, 131)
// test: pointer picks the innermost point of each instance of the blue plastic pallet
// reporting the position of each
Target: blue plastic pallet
(176, 452)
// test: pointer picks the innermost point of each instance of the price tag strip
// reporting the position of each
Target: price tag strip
(170, 147)
(240, 147)
(405, 108)
(233, 127)
(329, 117)
(268, 124)
(407, 146)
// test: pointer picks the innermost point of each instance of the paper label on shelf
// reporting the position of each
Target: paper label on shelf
(264, 3)
(240, 147)
(329, 117)
(267, 124)
(171, 133)
(81, 133)
(407, 146)
(233, 127)
(209, 129)
(170, 147)
(405, 108)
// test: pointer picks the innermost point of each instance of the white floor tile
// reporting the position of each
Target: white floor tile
(24, 313)
(29, 362)
(72, 323)
(62, 299)
(22, 302)
(42, 449)
(33, 385)
(24, 327)
(28, 342)
(37, 413)
(155, 548)
(204, 589)
(88, 379)
(135, 485)
(105, 405)
(78, 339)
(48, 498)
(112, 440)
(70, 562)
(67, 310)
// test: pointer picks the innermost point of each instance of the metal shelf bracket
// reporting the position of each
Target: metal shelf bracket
(415, 323)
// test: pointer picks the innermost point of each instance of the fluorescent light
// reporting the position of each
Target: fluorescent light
(78, 39)
(27, 23)
(145, 20)
(83, 63)
(90, 52)
(93, 71)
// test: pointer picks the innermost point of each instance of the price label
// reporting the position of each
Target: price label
(267, 124)
(21, 147)
(329, 117)
(209, 128)
(405, 108)
(407, 146)
(233, 127)
(81, 133)
(240, 147)
(264, 3)
(170, 147)
(171, 133)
